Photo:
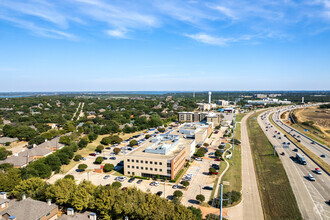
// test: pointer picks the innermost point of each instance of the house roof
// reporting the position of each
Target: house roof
(80, 216)
(4, 140)
(29, 209)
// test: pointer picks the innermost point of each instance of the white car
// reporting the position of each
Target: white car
(156, 184)
(310, 177)
(199, 159)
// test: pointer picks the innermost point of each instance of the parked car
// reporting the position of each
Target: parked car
(211, 153)
(131, 180)
(139, 181)
(92, 154)
(175, 186)
(207, 188)
(310, 177)
(318, 171)
(159, 193)
(106, 177)
(105, 158)
(199, 159)
(217, 159)
(84, 158)
(112, 158)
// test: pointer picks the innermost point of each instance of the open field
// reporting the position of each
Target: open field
(240, 116)
(321, 127)
(315, 158)
(277, 198)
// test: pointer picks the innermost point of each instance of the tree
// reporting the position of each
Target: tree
(65, 140)
(185, 183)
(4, 153)
(82, 143)
(92, 137)
(212, 170)
(147, 136)
(200, 152)
(32, 187)
(37, 140)
(106, 141)
(53, 161)
(9, 179)
(161, 129)
(200, 198)
(177, 193)
(155, 121)
(77, 157)
(196, 211)
(61, 192)
(206, 144)
(69, 177)
(116, 150)
(98, 160)
(116, 185)
(6, 166)
(218, 153)
(82, 167)
(80, 199)
(99, 148)
(133, 143)
(43, 170)
(108, 167)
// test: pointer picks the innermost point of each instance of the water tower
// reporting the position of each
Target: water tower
(210, 94)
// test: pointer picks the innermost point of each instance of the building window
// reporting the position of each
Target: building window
(133, 167)
(160, 170)
(155, 163)
(150, 168)
(141, 168)
(141, 161)
(132, 160)
(146, 162)
(146, 168)
(128, 166)
(128, 172)
(137, 167)
(137, 161)
(150, 162)
(128, 160)
(160, 163)
(155, 169)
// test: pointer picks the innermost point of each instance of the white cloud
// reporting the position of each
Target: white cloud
(226, 11)
(208, 39)
(117, 33)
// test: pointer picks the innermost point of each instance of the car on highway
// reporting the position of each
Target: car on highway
(313, 142)
(317, 170)
(282, 153)
(207, 188)
(106, 177)
(310, 177)
(279, 138)
(274, 136)
(139, 181)
(322, 155)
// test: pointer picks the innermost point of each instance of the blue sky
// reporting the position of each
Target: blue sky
(113, 45)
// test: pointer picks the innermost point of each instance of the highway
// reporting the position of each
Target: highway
(311, 196)
(317, 148)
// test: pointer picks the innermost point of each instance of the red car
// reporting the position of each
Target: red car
(218, 159)
(92, 154)
(215, 173)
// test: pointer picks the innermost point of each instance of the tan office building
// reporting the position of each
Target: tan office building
(163, 155)
(200, 116)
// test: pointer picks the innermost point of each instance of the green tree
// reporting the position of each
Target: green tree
(9, 179)
(218, 153)
(77, 157)
(61, 191)
(44, 171)
(161, 129)
(82, 167)
(65, 140)
(116, 185)
(4, 153)
(82, 143)
(177, 193)
(37, 140)
(106, 141)
(147, 136)
(200, 198)
(133, 143)
(80, 199)
(98, 160)
(53, 161)
(212, 170)
(108, 167)
(69, 177)
(32, 187)
(185, 183)
(99, 148)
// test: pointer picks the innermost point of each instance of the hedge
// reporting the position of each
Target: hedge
(177, 176)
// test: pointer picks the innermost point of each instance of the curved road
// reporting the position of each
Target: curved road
(311, 196)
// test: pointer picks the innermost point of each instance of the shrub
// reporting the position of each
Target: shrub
(147, 136)
(212, 170)
(82, 167)
(161, 129)
(177, 176)
(108, 167)
(133, 142)
(77, 157)
(99, 148)
(218, 153)
(206, 145)
(82, 143)
(105, 141)
(185, 183)
(98, 160)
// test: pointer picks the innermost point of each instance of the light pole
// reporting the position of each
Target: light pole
(200, 187)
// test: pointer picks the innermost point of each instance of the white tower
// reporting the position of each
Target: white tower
(210, 94)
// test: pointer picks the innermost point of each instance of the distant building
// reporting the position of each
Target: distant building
(199, 116)
(260, 96)
(4, 140)
(197, 131)
(222, 102)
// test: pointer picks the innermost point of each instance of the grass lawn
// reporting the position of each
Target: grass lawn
(277, 198)
(240, 116)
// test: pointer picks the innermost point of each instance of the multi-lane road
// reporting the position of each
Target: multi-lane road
(317, 148)
(312, 197)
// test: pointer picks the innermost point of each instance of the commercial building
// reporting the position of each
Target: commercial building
(206, 106)
(222, 102)
(268, 101)
(197, 131)
(200, 117)
(164, 155)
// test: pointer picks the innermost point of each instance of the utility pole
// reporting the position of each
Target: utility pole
(221, 188)
(234, 125)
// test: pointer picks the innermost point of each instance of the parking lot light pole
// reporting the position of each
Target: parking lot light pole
(200, 187)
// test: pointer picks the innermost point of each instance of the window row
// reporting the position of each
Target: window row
(146, 162)
(144, 168)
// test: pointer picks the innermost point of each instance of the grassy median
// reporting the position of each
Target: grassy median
(277, 198)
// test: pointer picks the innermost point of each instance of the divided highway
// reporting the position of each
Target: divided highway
(317, 148)
(312, 196)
